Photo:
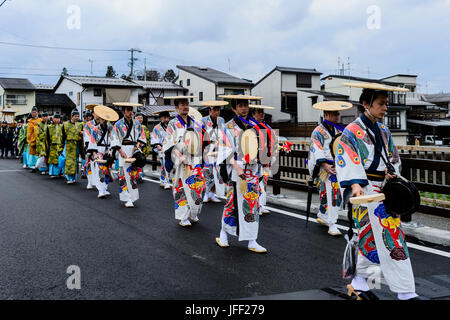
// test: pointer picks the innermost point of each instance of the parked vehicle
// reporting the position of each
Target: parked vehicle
(433, 140)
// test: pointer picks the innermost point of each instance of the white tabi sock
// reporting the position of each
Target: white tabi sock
(360, 284)
(406, 296)
(223, 237)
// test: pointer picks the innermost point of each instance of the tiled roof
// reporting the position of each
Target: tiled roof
(163, 85)
(46, 99)
(215, 76)
(297, 70)
(101, 81)
(16, 84)
(149, 110)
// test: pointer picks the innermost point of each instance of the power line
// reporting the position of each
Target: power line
(58, 48)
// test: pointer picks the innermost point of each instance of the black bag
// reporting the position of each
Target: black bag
(402, 197)
(141, 160)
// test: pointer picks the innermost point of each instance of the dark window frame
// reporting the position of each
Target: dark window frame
(98, 92)
(304, 80)
(393, 120)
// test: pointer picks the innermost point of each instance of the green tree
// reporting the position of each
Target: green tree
(152, 75)
(110, 72)
(169, 75)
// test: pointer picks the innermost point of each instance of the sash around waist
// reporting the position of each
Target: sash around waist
(373, 175)
(128, 143)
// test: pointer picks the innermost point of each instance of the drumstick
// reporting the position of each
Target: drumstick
(101, 161)
(368, 199)
(130, 160)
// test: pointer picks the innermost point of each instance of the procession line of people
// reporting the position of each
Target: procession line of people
(204, 158)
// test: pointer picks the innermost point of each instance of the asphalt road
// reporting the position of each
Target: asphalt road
(142, 253)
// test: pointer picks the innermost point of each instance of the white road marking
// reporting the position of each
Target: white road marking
(3, 171)
(302, 217)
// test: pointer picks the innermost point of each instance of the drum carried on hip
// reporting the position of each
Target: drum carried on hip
(249, 145)
(138, 159)
(192, 142)
(400, 197)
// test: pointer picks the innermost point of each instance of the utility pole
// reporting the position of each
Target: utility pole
(145, 69)
(339, 67)
(132, 60)
(348, 64)
(91, 61)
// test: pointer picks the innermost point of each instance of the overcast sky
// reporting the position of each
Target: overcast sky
(246, 38)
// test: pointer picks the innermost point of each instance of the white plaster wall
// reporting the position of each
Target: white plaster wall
(197, 85)
(270, 90)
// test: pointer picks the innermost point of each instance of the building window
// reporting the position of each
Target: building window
(234, 91)
(16, 99)
(395, 98)
(289, 103)
(392, 120)
(188, 82)
(70, 93)
(181, 83)
(304, 80)
(98, 92)
(200, 96)
(192, 100)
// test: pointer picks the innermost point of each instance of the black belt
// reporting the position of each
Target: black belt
(375, 175)
(128, 143)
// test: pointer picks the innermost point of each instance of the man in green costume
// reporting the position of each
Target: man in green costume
(55, 146)
(41, 141)
(72, 134)
(23, 144)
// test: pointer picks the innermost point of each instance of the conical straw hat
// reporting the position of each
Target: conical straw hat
(106, 113)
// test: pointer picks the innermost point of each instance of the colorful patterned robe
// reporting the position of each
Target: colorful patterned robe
(88, 166)
(328, 186)
(101, 173)
(158, 135)
(188, 183)
(128, 188)
(71, 135)
(381, 239)
(268, 139)
(211, 172)
(241, 212)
